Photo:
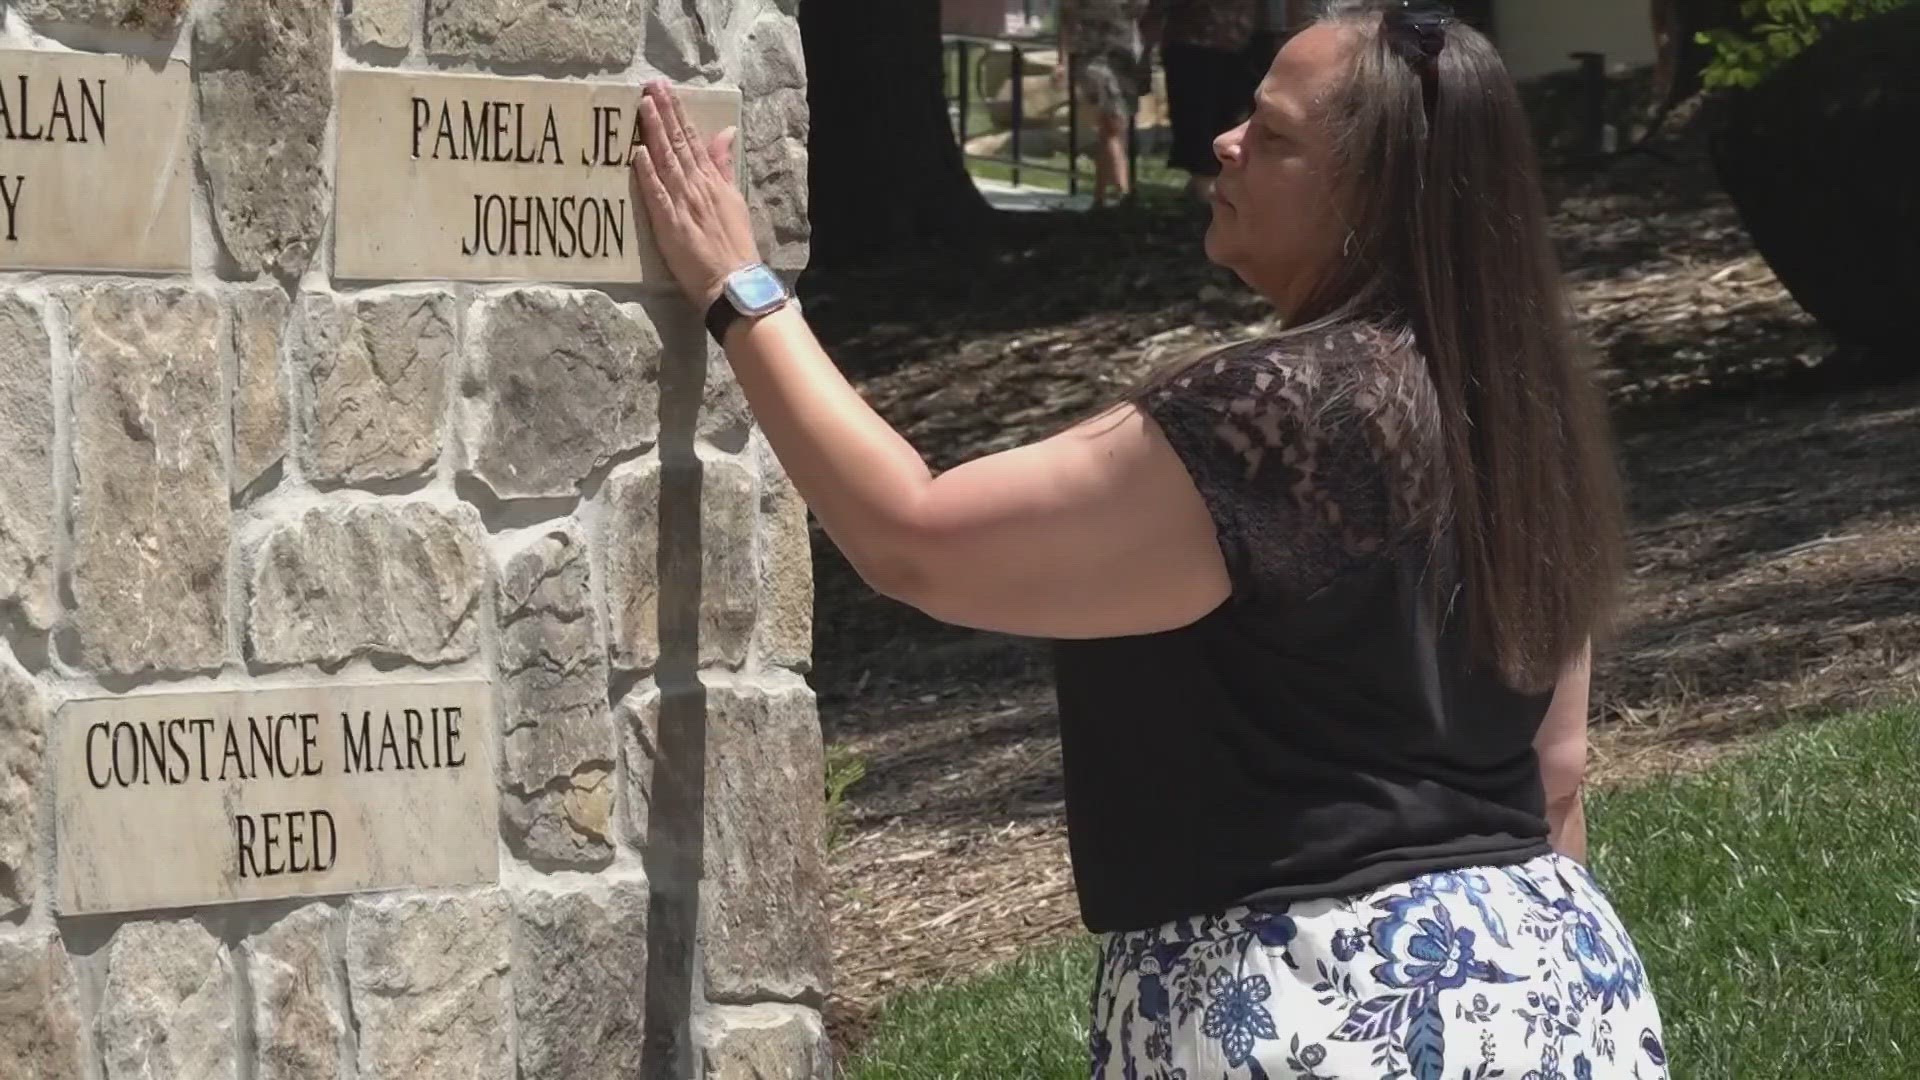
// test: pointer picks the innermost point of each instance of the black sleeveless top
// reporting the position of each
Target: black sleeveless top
(1322, 732)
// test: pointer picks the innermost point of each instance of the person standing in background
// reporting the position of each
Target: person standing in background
(1216, 52)
(1101, 48)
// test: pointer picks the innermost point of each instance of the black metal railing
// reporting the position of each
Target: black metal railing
(971, 54)
(1593, 92)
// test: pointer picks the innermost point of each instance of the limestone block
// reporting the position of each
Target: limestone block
(257, 319)
(22, 749)
(166, 1011)
(773, 59)
(725, 570)
(373, 378)
(728, 581)
(775, 126)
(562, 384)
(157, 16)
(777, 176)
(150, 506)
(593, 33)
(763, 919)
(784, 636)
(724, 417)
(297, 1003)
(387, 24)
(40, 1023)
(397, 579)
(264, 69)
(716, 16)
(677, 43)
(26, 445)
(638, 721)
(427, 976)
(629, 543)
(580, 981)
(765, 1042)
(557, 739)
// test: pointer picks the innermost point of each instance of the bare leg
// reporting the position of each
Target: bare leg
(1110, 160)
(1102, 176)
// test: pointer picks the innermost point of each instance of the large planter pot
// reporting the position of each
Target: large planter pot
(1823, 164)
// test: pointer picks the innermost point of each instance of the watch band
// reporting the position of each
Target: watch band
(726, 310)
(721, 317)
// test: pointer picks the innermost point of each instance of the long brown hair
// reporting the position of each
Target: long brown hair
(1449, 246)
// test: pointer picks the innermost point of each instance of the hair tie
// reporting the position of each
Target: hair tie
(1417, 31)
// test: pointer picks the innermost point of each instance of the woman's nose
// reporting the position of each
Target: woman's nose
(1226, 146)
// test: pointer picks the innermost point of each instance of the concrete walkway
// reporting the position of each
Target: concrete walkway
(1004, 196)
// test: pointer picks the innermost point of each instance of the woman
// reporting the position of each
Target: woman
(1323, 601)
(1100, 46)
(1215, 53)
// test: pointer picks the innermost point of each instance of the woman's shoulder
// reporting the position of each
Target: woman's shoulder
(1348, 414)
(1364, 365)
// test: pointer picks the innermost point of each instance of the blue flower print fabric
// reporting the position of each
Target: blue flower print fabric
(1519, 973)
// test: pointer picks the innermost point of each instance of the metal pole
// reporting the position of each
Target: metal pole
(1019, 108)
(1593, 80)
(1073, 133)
(1133, 152)
(965, 93)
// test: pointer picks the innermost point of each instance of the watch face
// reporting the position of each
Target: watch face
(756, 289)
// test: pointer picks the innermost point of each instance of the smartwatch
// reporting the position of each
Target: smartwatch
(751, 292)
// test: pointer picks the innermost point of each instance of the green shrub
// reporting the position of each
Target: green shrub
(844, 769)
(1776, 31)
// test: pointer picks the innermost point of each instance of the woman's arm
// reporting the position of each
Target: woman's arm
(1562, 749)
(1096, 532)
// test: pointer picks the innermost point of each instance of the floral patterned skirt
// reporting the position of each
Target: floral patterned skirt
(1522, 972)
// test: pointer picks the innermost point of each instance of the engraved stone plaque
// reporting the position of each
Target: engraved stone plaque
(495, 179)
(181, 799)
(94, 169)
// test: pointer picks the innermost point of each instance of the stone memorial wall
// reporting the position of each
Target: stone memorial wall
(403, 626)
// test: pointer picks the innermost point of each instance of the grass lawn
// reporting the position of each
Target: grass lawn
(1775, 899)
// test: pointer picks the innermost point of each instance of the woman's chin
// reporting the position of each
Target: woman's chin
(1219, 242)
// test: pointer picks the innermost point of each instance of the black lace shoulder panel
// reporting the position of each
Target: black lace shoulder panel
(1314, 454)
